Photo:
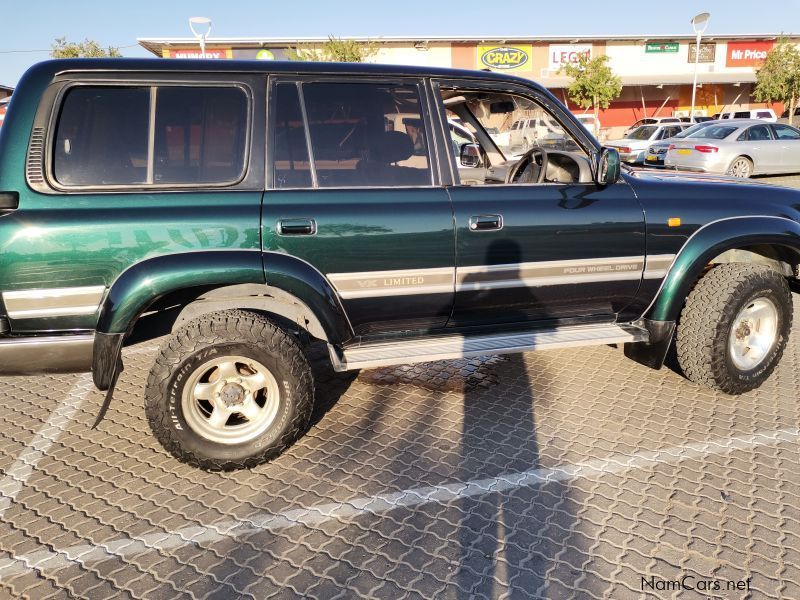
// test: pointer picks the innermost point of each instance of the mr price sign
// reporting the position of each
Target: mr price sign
(567, 54)
(747, 54)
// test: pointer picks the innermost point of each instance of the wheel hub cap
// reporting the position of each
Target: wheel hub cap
(230, 400)
(753, 334)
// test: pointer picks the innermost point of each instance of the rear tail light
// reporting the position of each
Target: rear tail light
(671, 147)
(707, 149)
(625, 150)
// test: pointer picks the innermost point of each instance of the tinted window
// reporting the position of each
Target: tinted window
(784, 132)
(291, 167)
(759, 133)
(200, 134)
(744, 114)
(763, 114)
(365, 134)
(101, 136)
(714, 132)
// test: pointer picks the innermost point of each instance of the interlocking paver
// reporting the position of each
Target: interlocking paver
(668, 486)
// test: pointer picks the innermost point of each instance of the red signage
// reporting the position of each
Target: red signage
(218, 53)
(747, 54)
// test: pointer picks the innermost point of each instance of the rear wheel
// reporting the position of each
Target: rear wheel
(734, 327)
(741, 167)
(229, 390)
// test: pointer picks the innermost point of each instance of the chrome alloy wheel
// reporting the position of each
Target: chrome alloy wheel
(753, 334)
(740, 168)
(230, 400)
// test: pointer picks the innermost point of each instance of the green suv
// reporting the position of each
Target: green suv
(253, 210)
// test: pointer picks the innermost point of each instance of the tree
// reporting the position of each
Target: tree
(334, 50)
(778, 79)
(594, 84)
(61, 48)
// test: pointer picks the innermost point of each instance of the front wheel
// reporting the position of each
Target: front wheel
(229, 390)
(734, 327)
(741, 167)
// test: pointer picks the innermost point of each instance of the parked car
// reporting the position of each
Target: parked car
(697, 119)
(651, 121)
(526, 133)
(657, 151)
(258, 213)
(632, 149)
(764, 114)
(739, 147)
(587, 120)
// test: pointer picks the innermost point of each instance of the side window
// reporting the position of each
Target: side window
(290, 162)
(759, 133)
(200, 134)
(101, 136)
(784, 132)
(366, 134)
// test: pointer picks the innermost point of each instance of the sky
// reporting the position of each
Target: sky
(30, 26)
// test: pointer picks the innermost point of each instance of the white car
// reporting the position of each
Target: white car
(633, 147)
(652, 121)
(588, 121)
(763, 114)
(526, 133)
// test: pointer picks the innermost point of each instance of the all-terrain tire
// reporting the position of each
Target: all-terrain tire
(706, 321)
(213, 337)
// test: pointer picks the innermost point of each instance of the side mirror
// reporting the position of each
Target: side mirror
(470, 155)
(607, 166)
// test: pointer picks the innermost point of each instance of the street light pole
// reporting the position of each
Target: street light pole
(201, 22)
(699, 24)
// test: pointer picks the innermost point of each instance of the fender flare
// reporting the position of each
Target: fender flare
(712, 240)
(287, 279)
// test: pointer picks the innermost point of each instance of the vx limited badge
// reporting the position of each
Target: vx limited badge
(504, 58)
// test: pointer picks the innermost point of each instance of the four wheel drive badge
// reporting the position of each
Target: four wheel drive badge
(504, 57)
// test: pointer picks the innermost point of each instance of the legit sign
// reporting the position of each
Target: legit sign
(747, 54)
(214, 53)
(504, 57)
(565, 54)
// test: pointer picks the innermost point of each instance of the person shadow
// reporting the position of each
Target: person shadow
(498, 438)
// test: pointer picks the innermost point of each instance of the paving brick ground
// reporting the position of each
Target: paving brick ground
(561, 474)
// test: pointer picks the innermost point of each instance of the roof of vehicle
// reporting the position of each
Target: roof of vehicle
(260, 66)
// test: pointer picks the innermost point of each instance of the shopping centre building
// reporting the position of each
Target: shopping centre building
(656, 71)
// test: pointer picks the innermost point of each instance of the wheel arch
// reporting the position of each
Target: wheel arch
(769, 240)
(187, 285)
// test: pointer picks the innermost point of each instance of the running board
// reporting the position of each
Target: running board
(443, 347)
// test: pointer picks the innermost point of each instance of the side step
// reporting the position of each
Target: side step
(443, 347)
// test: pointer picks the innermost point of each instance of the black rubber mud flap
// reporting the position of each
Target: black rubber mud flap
(106, 367)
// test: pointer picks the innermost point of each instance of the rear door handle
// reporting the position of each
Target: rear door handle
(9, 200)
(297, 227)
(485, 222)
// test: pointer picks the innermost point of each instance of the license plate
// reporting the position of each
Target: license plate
(651, 157)
(684, 150)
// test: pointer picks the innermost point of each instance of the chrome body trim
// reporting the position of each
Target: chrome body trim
(52, 354)
(53, 302)
(417, 350)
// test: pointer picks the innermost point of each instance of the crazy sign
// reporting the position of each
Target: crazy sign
(504, 57)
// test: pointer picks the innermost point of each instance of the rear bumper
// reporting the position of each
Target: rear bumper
(50, 354)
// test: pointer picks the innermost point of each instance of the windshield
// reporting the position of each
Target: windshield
(642, 133)
(714, 132)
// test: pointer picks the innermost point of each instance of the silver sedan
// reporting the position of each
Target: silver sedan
(739, 147)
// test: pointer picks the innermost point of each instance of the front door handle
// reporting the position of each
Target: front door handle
(297, 227)
(485, 222)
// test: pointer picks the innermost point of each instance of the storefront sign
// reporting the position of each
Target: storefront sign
(707, 52)
(565, 54)
(260, 53)
(216, 53)
(747, 54)
(661, 47)
(504, 57)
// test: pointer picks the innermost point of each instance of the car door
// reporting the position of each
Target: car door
(353, 191)
(528, 253)
(763, 148)
(789, 139)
